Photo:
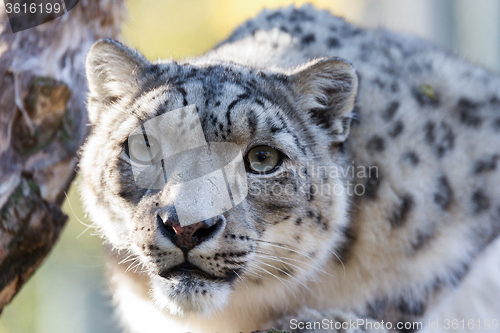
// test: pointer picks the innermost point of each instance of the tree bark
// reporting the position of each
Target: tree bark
(42, 125)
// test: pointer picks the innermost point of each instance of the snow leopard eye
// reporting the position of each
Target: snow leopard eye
(263, 159)
(143, 149)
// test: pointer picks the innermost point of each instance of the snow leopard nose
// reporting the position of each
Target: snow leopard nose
(188, 236)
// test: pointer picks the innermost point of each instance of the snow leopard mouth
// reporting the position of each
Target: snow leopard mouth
(188, 270)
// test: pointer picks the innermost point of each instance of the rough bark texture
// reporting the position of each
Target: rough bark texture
(42, 125)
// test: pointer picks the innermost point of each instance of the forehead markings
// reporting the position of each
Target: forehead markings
(231, 105)
(224, 76)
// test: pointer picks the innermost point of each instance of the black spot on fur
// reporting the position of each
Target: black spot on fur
(468, 112)
(496, 125)
(192, 73)
(444, 194)
(397, 129)
(394, 87)
(411, 157)
(422, 239)
(376, 144)
(273, 16)
(300, 15)
(447, 140)
(261, 103)
(400, 214)
(389, 113)
(486, 165)
(379, 83)
(480, 202)
(344, 248)
(441, 137)
(333, 43)
(429, 133)
(377, 308)
(495, 101)
(275, 129)
(341, 148)
(372, 185)
(308, 39)
(411, 308)
(252, 122)
(184, 94)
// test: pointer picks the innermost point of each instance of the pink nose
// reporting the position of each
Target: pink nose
(188, 236)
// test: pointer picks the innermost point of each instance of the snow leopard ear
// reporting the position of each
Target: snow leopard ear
(113, 72)
(327, 89)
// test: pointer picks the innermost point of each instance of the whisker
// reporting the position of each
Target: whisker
(254, 274)
(310, 278)
(338, 257)
(128, 258)
(318, 267)
(88, 226)
(284, 247)
(131, 266)
(137, 266)
(284, 272)
(267, 256)
(282, 259)
(240, 278)
(279, 279)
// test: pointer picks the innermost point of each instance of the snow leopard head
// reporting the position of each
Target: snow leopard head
(286, 125)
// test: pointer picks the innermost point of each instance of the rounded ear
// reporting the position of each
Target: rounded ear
(326, 89)
(112, 71)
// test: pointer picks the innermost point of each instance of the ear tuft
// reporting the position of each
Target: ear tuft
(327, 88)
(112, 71)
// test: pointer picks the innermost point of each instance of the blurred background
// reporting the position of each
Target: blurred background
(68, 293)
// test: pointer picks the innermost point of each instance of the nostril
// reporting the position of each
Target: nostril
(205, 233)
(165, 228)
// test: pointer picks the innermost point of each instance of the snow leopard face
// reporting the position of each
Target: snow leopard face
(289, 127)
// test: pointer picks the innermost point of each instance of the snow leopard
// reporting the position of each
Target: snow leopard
(369, 163)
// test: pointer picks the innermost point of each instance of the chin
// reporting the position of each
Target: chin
(185, 294)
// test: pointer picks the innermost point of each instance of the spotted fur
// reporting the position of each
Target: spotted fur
(426, 123)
